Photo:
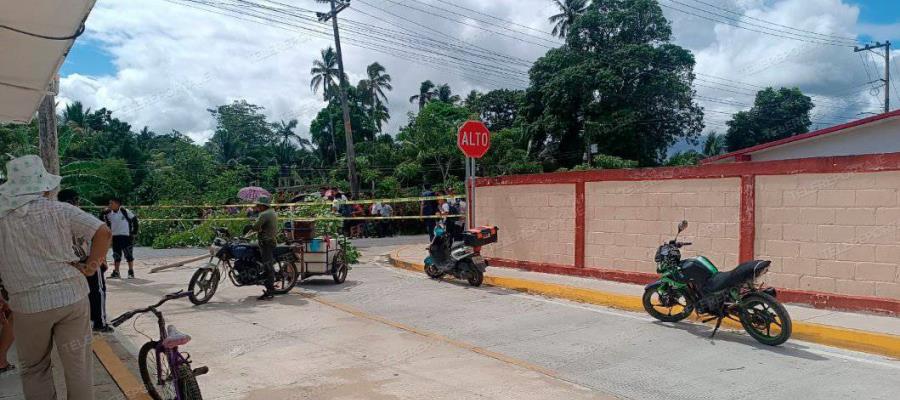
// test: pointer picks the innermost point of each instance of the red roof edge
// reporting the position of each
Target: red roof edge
(804, 136)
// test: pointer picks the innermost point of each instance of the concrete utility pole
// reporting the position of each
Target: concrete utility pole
(337, 7)
(49, 143)
(887, 69)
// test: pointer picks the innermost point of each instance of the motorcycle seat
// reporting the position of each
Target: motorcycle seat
(740, 274)
(283, 250)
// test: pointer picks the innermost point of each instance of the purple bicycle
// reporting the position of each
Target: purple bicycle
(166, 372)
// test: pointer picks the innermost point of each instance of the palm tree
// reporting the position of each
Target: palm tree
(569, 11)
(426, 93)
(472, 98)
(713, 145)
(373, 89)
(325, 73)
(444, 94)
(285, 130)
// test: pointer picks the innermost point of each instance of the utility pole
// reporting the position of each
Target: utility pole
(48, 140)
(887, 69)
(337, 7)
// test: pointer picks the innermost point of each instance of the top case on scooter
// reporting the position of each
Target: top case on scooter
(480, 236)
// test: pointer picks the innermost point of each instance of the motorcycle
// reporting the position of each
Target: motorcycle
(695, 284)
(463, 259)
(239, 260)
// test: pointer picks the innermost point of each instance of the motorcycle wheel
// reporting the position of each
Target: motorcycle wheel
(286, 277)
(475, 276)
(433, 272)
(203, 285)
(765, 319)
(670, 312)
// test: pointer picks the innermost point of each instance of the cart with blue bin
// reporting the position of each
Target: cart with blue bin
(318, 255)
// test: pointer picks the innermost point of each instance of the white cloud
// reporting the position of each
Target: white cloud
(174, 62)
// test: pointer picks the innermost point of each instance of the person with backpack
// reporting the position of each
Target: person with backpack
(124, 226)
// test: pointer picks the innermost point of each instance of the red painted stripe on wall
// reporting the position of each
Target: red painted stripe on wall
(579, 225)
(748, 218)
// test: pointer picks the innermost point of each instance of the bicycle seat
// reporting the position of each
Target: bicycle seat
(174, 338)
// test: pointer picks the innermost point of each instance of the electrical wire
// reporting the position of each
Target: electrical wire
(743, 15)
(37, 35)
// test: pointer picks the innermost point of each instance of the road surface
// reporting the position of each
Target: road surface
(394, 334)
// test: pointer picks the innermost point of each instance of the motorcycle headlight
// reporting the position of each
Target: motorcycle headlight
(213, 250)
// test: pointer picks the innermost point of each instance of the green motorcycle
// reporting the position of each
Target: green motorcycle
(694, 284)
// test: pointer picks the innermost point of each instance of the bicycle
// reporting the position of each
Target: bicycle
(166, 372)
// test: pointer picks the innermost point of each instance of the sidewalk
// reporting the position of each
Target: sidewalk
(863, 332)
(105, 387)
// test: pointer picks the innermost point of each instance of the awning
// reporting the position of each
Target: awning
(29, 63)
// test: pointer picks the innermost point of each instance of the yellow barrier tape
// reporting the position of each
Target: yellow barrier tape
(309, 203)
(307, 219)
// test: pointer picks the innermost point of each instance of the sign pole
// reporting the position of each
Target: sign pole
(472, 203)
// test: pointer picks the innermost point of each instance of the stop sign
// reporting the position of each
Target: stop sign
(473, 139)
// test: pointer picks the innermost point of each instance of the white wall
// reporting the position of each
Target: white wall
(875, 138)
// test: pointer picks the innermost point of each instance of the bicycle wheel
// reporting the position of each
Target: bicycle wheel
(155, 372)
(190, 390)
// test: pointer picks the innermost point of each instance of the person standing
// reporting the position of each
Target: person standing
(96, 282)
(266, 227)
(124, 226)
(427, 210)
(45, 281)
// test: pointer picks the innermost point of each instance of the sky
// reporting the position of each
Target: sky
(163, 63)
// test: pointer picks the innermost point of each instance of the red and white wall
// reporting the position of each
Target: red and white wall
(830, 225)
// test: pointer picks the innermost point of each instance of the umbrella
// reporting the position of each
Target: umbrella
(252, 193)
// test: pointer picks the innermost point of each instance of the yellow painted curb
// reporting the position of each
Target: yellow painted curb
(130, 385)
(851, 339)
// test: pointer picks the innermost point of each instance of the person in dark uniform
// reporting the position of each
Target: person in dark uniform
(267, 227)
(96, 282)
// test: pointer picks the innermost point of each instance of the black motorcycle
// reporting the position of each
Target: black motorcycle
(239, 260)
(461, 259)
(695, 284)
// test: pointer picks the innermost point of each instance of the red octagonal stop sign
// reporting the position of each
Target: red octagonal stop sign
(473, 139)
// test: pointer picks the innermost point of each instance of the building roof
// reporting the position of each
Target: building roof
(834, 130)
(30, 63)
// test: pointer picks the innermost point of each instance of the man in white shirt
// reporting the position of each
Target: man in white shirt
(45, 281)
(124, 225)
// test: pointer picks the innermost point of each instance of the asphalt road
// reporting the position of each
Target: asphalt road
(389, 333)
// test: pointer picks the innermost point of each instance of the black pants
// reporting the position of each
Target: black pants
(97, 297)
(120, 245)
(429, 226)
(267, 257)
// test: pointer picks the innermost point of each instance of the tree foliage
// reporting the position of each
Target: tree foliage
(776, 114)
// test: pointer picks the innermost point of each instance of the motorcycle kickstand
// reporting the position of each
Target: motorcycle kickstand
(718, 324)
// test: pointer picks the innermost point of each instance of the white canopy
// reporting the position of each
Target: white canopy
(29, 63)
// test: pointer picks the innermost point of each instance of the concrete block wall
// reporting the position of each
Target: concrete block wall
(832, 233)
(626, 221)
(537, 222)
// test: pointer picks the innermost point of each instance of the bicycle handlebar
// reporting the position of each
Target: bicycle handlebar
(128, 315)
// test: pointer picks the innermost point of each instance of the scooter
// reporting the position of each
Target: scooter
(460, 259)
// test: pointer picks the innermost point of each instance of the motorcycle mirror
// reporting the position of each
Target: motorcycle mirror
(682, 226)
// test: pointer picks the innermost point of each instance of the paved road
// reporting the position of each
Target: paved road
(389, 333)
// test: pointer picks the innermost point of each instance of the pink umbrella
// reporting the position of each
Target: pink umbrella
(252, 193)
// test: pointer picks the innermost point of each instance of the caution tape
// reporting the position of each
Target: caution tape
(305, 219)
(309, 203)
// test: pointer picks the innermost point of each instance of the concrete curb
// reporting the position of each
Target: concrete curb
(131, 386)
(868, 342)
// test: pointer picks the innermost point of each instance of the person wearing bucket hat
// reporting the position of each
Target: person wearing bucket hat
(267, 227)
(47, 291)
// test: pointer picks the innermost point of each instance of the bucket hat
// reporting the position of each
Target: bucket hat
(27, 181)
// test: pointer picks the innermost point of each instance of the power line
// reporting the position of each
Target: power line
(737, 25)
(743, 15)
(492, 17)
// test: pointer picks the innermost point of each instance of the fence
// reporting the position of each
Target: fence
(830, 225)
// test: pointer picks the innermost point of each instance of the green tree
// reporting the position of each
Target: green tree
(242, 134)
(776, 114)
(445, 94)
(569, 11)
(617, 83)
(373, 93)
(499, 109)
(426, 93)
(325, 73)
(683, 158)
(430, 140)
(713, 145)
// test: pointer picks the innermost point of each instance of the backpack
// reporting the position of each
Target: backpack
(133, 224)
